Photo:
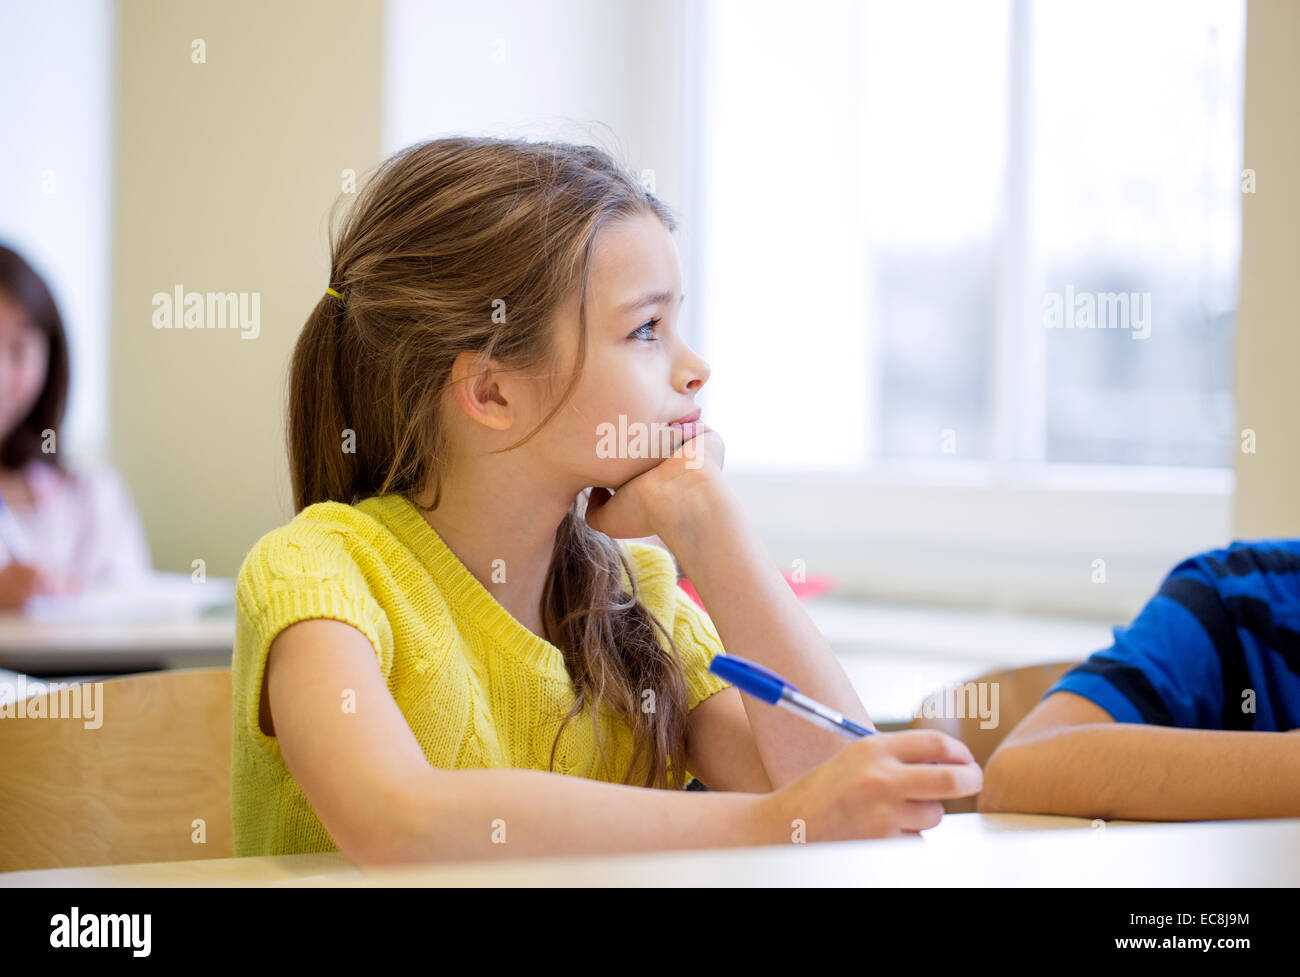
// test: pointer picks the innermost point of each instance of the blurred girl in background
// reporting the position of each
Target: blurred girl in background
(61, 529)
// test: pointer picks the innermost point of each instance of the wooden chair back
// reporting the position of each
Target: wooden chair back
(149, 783)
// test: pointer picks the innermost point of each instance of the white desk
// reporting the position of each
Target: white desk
(158, 620)
(964, 850)
(60, 648)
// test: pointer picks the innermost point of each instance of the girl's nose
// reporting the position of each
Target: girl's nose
(694, 372)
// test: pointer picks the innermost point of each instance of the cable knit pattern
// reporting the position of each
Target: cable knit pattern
(477, 688)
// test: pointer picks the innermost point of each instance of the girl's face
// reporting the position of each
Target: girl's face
(639, 375)
(23, 354)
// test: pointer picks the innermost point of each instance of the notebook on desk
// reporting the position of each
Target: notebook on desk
(154, 597)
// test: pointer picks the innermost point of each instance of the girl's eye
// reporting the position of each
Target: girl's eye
(639, 333)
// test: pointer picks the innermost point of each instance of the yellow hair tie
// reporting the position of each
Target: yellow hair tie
(334, 293)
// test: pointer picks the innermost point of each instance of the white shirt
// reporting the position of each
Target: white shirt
(84, 525)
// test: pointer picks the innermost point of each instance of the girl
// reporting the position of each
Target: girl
(70, 529)
(455, 616)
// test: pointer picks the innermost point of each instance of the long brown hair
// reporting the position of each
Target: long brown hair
(22, 285)
(440, 232)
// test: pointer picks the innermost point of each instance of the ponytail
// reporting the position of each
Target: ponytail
(322, 454)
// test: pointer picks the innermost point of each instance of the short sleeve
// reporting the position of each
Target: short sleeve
(697, 641)
(293, 574)
(693, 632)
(1163, 669)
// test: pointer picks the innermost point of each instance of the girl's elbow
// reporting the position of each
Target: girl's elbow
(395, 832)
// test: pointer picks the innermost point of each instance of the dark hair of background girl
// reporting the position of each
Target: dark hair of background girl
(20, 284)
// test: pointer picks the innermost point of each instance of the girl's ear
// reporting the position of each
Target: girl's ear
(477, 385)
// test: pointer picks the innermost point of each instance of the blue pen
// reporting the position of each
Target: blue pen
(773, 689)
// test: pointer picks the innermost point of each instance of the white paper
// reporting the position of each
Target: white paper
(151, 597)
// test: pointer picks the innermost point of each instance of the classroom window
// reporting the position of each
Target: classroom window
(883, 246)
(882, 249)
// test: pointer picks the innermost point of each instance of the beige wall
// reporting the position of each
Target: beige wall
(1268, 326)
(224, 172)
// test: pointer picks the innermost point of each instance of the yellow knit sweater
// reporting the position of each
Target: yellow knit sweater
(477, 688)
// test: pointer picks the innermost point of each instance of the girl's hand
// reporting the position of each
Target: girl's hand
(667, 496)
(882, 786)
(19, 581)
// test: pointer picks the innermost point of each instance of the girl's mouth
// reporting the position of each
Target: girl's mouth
(688, 418)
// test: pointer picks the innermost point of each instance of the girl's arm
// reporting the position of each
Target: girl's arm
(1069, 758)
(758, 617)
(366, 777)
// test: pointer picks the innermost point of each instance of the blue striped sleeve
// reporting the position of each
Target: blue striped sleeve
(1167, 667)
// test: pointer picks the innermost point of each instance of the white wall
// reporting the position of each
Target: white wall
(226, 170)
(1268, 323)
(608, 72)
(56, 114)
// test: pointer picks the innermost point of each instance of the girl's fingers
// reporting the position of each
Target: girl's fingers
(940, 781)
(920, 815)
(926, 746)
(615, 514)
